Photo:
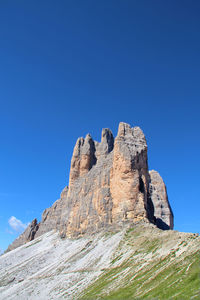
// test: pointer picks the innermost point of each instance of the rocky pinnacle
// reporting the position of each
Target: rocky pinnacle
(109, 186)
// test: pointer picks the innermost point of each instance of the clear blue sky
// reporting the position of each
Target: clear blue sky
(73, 67)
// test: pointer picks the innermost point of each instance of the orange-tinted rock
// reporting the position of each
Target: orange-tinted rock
(129, 175)
(109, 185)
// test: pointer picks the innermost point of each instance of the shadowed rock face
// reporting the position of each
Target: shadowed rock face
(109, 185)
(27, 236)
(83, 158)
(162, 210)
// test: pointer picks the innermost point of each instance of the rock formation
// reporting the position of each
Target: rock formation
(158, 194)
(110, 185)
(27, 236)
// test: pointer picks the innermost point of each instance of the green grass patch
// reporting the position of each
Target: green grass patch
(165, 279)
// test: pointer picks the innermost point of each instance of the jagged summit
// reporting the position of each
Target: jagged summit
(109, 186)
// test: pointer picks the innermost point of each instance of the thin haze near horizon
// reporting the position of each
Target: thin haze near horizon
(73, 67)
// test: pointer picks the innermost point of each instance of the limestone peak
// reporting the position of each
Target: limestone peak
(109, 186)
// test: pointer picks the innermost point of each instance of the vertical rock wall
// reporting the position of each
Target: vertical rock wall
(129, 175)
(162, 211)
(109, 185)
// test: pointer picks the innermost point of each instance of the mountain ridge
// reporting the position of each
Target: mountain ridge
(109, 185)
(109, 236)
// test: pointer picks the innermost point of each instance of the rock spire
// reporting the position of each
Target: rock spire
(109, 186)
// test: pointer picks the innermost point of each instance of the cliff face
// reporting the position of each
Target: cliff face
(109, 185)
(162, 211)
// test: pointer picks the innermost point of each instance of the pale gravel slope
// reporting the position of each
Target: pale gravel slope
(52, 268)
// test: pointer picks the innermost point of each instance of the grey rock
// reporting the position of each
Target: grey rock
(109, 186)
(51, 216)
(106, 145)
(164, 218)
(28, 235)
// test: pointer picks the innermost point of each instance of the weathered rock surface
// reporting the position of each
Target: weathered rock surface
(162, 210)
(51, 216)
(129, 176)
(27, 236)
(109, 186)
(50, 220)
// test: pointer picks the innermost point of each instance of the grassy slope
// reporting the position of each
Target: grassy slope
(150, 264)
(142, 262)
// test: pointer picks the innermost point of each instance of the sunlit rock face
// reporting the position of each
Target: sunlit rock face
(109, 185)
(129, 176)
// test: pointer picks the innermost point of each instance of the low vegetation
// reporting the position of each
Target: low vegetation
(145, 274)
(141, 262)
